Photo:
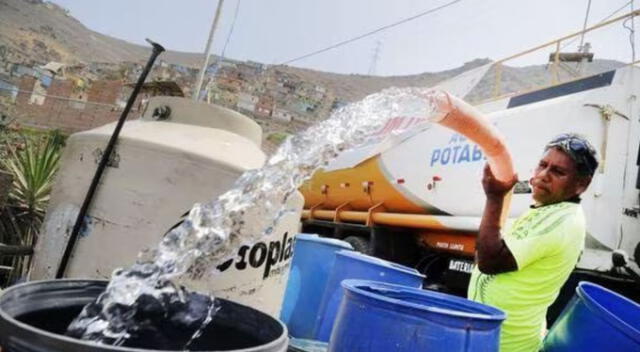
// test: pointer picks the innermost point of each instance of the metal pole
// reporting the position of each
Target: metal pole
(584, 26)
(196, 88)
(157, 50)
(556, 65)
(633, 36)
(497, 89)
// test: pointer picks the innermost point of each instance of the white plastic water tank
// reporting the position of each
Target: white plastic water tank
(177, 154)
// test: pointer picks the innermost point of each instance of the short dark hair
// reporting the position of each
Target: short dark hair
(579, 150)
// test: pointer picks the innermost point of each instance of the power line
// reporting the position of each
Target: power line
(602, 20)
(233, 25)
(632, 32)
(586, 18)
(216, 64)
(618, 10)
(378, 30)
(226, 42)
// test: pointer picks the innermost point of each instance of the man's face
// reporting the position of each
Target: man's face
(556, 178)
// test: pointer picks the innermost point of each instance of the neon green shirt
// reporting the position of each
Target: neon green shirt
(546, 243)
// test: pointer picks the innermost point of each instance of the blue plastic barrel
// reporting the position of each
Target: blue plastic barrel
(354, 265)
(596, 319)
(312, 261)
(376, 316)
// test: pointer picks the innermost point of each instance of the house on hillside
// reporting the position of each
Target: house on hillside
(282, 115)
(54, 68)
(303, 106)
(229, 84)
(149, 89)
(19, 70)
(222, 97)
(7, 88)
(265, 106)
(39, 92)
(212, 69)
(250, 70)
(180, 69)
(319, 93)
(247, 102)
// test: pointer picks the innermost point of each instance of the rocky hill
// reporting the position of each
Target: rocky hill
(37, 31)
(355, 87)
(40, 31)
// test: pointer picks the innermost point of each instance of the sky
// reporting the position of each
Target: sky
(275, 31)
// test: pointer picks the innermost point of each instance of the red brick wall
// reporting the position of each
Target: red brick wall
(60, 112)
(60, 88)
(25, 86)
(105, 92)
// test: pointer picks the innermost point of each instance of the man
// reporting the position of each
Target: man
(522, 272)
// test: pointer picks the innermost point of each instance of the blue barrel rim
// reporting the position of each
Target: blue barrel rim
(605, 313)
(493, 314)
(373, 260)
(324, 240)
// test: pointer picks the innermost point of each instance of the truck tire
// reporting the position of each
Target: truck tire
(359, 244)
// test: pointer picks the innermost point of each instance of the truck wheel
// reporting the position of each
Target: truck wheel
(359, 244)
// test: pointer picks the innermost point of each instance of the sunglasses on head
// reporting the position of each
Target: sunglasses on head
(570, 143)
(579, 149)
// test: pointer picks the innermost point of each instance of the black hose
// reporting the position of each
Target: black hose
(157, 50)
(632, 274)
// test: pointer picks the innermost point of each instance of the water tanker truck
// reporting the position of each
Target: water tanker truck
(416, 197)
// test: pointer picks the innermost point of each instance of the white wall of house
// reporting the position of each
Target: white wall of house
(246, 105)
(282, 115)
(247, 98)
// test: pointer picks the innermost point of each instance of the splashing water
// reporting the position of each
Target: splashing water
(251, 209)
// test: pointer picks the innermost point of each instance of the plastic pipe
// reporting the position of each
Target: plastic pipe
(463, 118)
(454, 113)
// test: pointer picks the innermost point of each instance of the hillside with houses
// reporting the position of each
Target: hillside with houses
(57, 74)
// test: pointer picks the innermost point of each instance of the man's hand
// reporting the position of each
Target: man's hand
(494, 188)
(492, 254)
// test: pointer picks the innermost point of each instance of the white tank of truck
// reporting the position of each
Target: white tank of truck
(427, 182)
(177, 154)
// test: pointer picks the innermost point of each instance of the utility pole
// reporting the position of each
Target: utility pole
(374, 59)
(581, 57)
(198, 85)
(583, 48)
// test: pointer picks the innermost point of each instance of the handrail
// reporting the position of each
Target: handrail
(599, 25)
(555, 77)
(507, 95)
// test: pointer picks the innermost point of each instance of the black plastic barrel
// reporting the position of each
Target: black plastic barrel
(35, 315)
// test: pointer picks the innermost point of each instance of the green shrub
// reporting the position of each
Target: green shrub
(277, 137)
(33, 164)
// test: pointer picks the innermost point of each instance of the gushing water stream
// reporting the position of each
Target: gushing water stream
(153, 289)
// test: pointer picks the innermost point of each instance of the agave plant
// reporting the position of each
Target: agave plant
(33, 167)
